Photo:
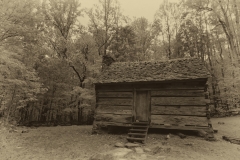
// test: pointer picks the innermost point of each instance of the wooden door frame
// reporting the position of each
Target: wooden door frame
(148, 102)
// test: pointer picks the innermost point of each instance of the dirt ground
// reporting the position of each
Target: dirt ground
(77, 143)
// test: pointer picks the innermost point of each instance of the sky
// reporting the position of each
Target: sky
(131, 8)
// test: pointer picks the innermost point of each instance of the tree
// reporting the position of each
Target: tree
(132, 42)
(123, 46)
(166, 24)
(104, 22)
(144, 36)
(19, 84)
(61, 21)
(222, 45)
(17, 19)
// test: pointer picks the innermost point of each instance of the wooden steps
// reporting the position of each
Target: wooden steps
(138, 132)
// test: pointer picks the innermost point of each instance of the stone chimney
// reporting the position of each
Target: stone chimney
(106, 61)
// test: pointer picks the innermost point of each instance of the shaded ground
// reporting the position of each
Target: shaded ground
(76, 142)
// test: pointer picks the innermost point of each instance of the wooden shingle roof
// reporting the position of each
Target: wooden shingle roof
(177, 69)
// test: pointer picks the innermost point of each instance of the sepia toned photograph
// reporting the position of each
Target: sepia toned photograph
(119, 80)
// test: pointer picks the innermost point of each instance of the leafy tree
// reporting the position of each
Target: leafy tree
(123, 46)
(60, 20)
(19, 81)
(105, 19)
(144, 37)
(132, 42)
(61, 25)
(17, 19)
(71, 60)
(166, 24)
(19, 84)
(218, 22)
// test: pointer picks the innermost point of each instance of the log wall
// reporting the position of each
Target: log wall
(180, 103)
(114, 107)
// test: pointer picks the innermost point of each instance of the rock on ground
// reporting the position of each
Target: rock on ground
(138, 150)
(116, 154)
(118, 144)
(131, 145)
(147, 149)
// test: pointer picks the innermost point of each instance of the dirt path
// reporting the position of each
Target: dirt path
(76, 142)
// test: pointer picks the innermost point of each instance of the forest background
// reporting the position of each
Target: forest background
(49, 59)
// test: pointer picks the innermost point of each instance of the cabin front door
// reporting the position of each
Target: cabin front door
(142, 106)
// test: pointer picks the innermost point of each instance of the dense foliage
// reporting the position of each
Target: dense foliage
(49, 60)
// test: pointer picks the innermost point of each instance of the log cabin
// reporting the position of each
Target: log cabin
(165, 94)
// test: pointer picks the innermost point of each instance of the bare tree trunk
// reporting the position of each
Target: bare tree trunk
(106, 26)
(227, 30)
(11, 103)
(221, 55)
(169, 40)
